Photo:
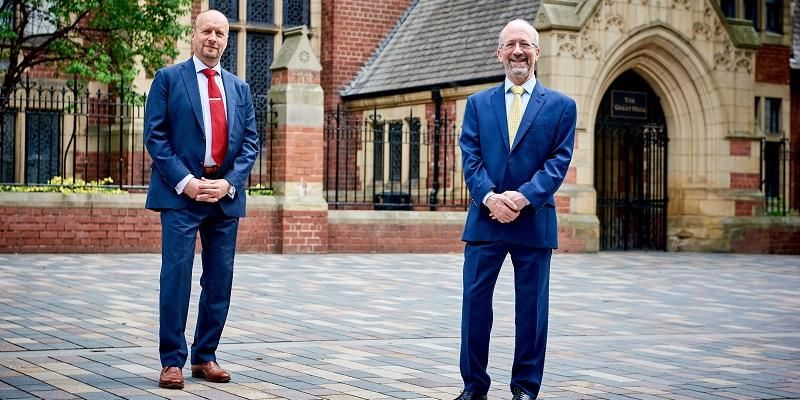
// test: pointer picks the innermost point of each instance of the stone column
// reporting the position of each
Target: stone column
(298, 146)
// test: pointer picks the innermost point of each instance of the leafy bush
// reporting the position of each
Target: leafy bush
(68, 185)
(260, 190)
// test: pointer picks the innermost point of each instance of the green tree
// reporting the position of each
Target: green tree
(101, 40)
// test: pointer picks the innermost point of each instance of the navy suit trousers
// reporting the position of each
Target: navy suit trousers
(482, 263)
(218, 238)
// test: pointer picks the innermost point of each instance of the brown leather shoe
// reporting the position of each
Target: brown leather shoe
(171, 378)
(211, 372)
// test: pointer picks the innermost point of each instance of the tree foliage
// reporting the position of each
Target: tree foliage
(101, 40)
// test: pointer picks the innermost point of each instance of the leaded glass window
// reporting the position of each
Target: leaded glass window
(260, 11)
(42, 147)
(728, 8)
(751, 13)
(228, 59)
(413, 163)
(395, 150)
(377, 167)
(259, 59)
(7, 147)
(773, 17)
(757, 114)
(772, 115)
(230, 8)
(296, 13)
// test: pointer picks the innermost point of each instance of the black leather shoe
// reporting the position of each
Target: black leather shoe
(520, 395)
(467, 395)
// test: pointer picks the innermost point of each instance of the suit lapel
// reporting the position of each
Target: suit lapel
(190, 80)
(538, 97)
(499, 106)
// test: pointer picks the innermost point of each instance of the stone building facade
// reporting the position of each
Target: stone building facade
(712, 84)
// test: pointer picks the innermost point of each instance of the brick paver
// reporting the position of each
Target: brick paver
(622, 326)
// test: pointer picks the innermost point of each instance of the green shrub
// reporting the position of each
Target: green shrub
(260, 190)
(67, 185)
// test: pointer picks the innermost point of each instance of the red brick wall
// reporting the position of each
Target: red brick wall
(740, 147)
(258, 232)
(394, 238)
(772, 240)
(746, 208)
(304, 232)
(352, 30)
(267, 230)
(740, 180)
(562, 204)
(567, 241)
(295, 154)
(772, 64)
(44, 71)
(78, 230)
(111, 230)
(389, 236)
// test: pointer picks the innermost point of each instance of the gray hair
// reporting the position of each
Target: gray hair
(534, 36)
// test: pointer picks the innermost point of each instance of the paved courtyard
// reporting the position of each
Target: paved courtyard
(622, 326)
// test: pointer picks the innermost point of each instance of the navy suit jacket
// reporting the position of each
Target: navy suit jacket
(535, 165)
(175, 139)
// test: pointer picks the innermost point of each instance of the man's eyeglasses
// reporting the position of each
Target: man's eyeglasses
(522, 45)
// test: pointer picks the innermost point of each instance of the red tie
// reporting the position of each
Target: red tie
(219, 126)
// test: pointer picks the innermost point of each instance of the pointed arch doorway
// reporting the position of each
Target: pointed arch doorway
(630, 157)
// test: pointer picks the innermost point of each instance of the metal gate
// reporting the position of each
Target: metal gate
(631, 184)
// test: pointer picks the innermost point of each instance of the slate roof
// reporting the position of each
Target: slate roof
(796, 36)
(440, 43)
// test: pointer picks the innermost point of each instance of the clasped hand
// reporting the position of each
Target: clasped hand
(505, 207)
(207, 190)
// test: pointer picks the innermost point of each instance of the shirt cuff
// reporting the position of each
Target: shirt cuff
(182, 184)
(231, 190)
(487, 197)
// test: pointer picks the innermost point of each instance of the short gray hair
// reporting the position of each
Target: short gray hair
(534, 37)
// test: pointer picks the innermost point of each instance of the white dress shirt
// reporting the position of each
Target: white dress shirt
(202, 84)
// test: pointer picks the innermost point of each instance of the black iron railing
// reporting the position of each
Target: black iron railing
(775, 173)
(85, 137)
(631, 183)
(392, 164)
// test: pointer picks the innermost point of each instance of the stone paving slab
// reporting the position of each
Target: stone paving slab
(622, 326)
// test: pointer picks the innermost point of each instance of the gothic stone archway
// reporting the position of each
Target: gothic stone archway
(631, 166)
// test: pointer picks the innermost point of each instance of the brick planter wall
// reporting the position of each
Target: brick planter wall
(92, 223)
(395, 232)
(767, 235)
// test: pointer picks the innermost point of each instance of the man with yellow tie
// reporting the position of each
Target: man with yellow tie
(516, 144)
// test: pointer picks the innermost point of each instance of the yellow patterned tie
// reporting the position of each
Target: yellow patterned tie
(515, 115)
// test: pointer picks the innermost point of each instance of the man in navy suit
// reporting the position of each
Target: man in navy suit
(200, 131)
(516, 144)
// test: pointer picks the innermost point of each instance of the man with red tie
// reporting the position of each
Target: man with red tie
(200, 131)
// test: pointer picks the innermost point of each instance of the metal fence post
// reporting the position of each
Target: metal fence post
(436, 95)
